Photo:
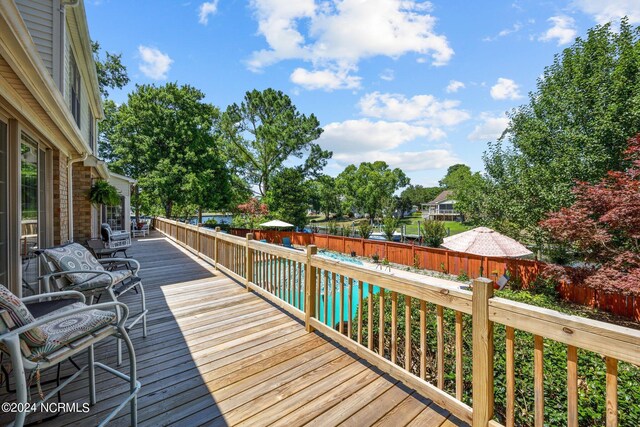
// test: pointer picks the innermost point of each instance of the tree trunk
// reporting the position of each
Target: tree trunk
(200, 215)
(168, 207)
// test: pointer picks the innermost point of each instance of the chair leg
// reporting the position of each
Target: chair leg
(144, 309)
(92, 376)
(133, 372)
(118, 340)
(13, 345)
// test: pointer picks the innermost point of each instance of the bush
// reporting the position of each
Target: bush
(389, 225)
(434, 233)
(365, 229)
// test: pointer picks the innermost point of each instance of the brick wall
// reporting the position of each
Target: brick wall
(84, 214)
(60, 199)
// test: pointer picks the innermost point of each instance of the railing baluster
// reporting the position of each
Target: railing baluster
(341, 285)
(511, 378)
(440, 346)
(350, 305)
(333, 300)
(394, 326)
(407, 333)
(310, 288)
(538, 379)
(423, 339)
(326, 297)
(370, 318)
(459, 373)
(572, 386)
(381, 322)
(612, 391)
(360, 302)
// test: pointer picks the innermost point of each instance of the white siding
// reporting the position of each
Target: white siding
(38, 16)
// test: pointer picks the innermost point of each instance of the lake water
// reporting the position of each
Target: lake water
(220, 219)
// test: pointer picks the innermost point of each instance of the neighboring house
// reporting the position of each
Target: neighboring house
(119, 217)
(441, 208)
(49, 107)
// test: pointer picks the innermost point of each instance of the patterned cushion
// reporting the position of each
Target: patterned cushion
(101, 281)
(75, 257)
(70, 328)
(18, 315)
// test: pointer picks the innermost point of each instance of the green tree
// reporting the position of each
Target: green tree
(287, 198)
(389, 225)
(165, 138)
(265, 131)
(434, 233)
(454, 174)
(368, 186)
(417, 194)
(326, 195)
(112, 73)
(574, 128)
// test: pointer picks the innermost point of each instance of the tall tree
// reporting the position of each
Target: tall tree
(164, 137)
(454, 174)
(417, 194)
(288, 196)
(368, 186)
(575, 126)
(112, 73)
(265, 131)
(326, 195)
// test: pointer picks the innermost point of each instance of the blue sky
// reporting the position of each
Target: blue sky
(421, 85)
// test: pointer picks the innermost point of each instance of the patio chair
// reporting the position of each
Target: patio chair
(37, 344)
(73, 267)
(286, 242)
(118, 240)
(141, 231)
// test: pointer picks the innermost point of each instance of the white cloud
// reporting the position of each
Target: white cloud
(206, 9)
(338, 34)
(406, 160)
(503, 33)
(358, 136)
(454, 86)
(425, 109)
(490, 128)
(505, 89)
(324, 79)
(155, 64)
(563, 29)
(388, 75)
(610, 10)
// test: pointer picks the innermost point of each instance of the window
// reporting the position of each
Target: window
(4, 194)
(75, 91)
(114, 215)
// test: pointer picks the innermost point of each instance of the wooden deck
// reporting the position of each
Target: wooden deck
(218, 355)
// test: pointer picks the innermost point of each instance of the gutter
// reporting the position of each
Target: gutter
(70, 163)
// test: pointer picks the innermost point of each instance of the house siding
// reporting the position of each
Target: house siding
(38, 16)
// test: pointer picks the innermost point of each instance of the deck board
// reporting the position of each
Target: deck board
(217, 355)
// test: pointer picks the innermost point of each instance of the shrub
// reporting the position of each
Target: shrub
(389, 225)
(434, 233)
(365, 229)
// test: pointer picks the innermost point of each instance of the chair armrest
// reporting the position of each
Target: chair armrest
(51, 317)
(129, 261)
(56, 295)
(47, 277)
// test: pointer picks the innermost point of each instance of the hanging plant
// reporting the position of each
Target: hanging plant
(103, 193)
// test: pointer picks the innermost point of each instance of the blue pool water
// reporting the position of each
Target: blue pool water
(347, 291)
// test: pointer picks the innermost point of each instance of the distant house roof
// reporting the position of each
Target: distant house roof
(442, 197)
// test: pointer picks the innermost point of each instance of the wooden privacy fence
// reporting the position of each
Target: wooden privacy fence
(456, 263)
(422, 334)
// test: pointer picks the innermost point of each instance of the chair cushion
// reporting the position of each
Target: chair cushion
(70, 328)
(19, 315)
(101, 281)
(75, 257)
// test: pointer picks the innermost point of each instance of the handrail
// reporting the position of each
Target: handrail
(307, 284)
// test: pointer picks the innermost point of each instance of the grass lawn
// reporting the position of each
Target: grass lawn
(411, 223)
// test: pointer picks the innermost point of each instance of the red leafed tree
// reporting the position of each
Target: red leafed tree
(603, 225)
(252, 211)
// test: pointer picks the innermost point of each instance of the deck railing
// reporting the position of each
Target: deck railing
(438, 340)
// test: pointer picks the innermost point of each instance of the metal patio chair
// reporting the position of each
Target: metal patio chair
(37, 344)
(73, 267)
(120, 241)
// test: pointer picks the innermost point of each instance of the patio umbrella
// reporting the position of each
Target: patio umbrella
(277, 223)
(485, 242)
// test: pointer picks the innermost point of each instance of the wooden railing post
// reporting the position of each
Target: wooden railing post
(215, 248)
(310, 288)
(248, 261)
(198, 238)
(482, 353)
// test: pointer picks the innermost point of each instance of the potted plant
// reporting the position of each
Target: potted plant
(375, 257)
(103, 193)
